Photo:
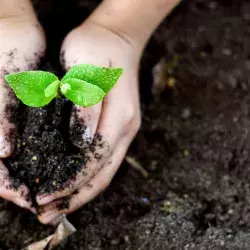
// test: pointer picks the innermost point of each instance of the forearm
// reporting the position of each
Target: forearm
(21, 37)
(135, 20)
(16, 8)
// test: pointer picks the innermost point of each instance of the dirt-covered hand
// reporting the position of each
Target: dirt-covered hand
(107, 128)
(21, 45)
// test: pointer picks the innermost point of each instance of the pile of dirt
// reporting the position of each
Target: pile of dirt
(194, 141)
(45, 157)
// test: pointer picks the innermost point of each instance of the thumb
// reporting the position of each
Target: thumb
(83, 124)
(84, 121)
(7, 127)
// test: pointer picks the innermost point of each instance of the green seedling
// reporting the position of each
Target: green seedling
(84, 85)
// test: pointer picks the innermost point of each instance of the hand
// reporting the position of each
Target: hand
(111, 124)
(21, 45)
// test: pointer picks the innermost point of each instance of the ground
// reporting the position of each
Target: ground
(194, 141)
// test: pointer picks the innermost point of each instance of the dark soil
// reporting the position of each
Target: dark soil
(194, 140)
(45, 158)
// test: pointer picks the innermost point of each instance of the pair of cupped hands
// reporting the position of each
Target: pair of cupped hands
(116, 118)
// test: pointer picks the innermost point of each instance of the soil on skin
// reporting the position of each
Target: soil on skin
(45, 157)
(194, 141)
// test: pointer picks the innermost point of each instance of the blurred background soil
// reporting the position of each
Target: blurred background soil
(194, 145)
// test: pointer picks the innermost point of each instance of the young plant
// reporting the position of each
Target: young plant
(84, 84)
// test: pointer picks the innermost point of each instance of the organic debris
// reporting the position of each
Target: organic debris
(64, 229)
(136, 165)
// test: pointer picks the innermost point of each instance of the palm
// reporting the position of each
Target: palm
(15, 55)
(116, 120)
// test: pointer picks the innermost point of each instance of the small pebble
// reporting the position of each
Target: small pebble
(203, 54)
(145, 201)
(226, 52)
(34, 158)
(186, 113)
(115, 242)
(167, 203)
(186, 153)
(222, 243)
(171, 82)
(235, 119)
(126, 238)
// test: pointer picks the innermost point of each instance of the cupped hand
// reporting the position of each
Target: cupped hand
(110, 125)
(21, 45)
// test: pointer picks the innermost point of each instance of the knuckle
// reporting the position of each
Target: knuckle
(132, 115)
(137, 123)
(133, 120)
(129, 113)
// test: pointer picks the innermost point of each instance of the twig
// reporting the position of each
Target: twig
(136, 165)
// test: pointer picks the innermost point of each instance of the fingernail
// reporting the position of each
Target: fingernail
(33, 210)
(43, 200)
(21, 202)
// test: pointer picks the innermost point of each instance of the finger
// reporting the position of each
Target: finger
(90, 190)
(16, 55)
(110, 130)
(83, 124)
(7, 128)
(84, 121)
(19, 196)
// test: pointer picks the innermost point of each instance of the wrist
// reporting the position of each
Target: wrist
(117, 45)
(17, 9)
(132, 20)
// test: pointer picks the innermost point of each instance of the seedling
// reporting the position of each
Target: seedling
(84, 84)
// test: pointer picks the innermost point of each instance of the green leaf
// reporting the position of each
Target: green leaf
(83, 93)
(52, 89)
(29, 86)
(104, 78)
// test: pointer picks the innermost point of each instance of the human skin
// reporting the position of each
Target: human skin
(114, 35)
(21, 45)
